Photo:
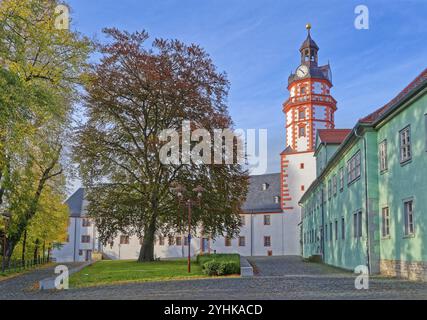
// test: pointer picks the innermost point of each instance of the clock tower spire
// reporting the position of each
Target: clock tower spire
(310, 107)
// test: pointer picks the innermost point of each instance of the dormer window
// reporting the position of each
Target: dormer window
(276, 199)
(264, 186)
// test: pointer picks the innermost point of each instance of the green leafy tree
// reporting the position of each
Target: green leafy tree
(41, 69)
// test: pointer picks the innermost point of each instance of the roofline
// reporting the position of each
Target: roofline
(413, 95)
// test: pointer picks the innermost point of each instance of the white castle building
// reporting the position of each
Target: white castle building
(270, 223)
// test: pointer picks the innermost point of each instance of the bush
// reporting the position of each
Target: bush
(219, 265)
(210, 268)
(231, 267)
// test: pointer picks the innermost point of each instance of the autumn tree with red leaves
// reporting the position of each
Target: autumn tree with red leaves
(134, 93)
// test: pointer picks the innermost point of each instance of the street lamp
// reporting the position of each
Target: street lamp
(6, 216)
(181, 193)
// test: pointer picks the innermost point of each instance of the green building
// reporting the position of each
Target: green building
(368, 204)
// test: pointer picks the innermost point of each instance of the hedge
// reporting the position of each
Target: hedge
(219, 264)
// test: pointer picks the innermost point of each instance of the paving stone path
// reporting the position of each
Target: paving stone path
(278, 278)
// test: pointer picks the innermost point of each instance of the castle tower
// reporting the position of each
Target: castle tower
(310, 107)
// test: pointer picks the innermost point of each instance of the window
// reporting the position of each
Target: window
(405, 144)
(264, 186)
(85, 239)
(330, 232)
(326, 232)
(243, 220)
(353, 168)
(334, 184)
(302, 131)
(178, 241)
(341, 179)
(301, 114)
(302, 188)
(303, 90)
(383, 155)
(161, 241)
(276, 199)
(357, 224)
(124, 239)
(329, 189)
(267, 241)
(385, 222)
(242, 241)
(409, 217)
(267, 220)
(85, 222)
(171, 240)
(336, 229)
(301, 165)
(342, 228)
(185, 240)
(227, 241)
(80, 252)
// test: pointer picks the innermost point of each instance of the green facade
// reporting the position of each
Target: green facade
(372, 190)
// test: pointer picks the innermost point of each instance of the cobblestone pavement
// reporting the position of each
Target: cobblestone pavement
(24, 286)
(279, 278)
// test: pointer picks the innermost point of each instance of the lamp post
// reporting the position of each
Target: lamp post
(6, 217)
(181, 193)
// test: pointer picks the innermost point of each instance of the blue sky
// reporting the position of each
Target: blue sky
(256, 43)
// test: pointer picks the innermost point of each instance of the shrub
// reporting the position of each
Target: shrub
(210, 268)
(231, 267)
(220, 268)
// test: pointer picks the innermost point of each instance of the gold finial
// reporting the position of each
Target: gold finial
(308, 26)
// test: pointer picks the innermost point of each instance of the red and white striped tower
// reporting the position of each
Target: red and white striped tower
(310, 107)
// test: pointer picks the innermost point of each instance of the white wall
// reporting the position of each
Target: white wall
(69, 251)
(283, 232)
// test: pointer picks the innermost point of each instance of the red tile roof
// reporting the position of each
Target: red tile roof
(401, 96)
(334, 136)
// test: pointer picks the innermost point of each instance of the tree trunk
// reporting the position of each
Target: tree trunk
(36, 251)
(147, 249)
(24, 244)
(48, 252)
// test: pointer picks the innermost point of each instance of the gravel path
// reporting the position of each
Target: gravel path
(279, 278)
(23, 286)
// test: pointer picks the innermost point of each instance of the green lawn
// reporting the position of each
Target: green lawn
(122, 271)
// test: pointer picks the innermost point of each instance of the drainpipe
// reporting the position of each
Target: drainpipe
(75, 238)
(322, 235)
(368, 245)
(252, 233)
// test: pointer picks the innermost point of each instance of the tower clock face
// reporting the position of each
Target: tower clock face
(302, 71)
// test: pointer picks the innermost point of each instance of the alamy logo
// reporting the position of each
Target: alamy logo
(362, 20)
(362, 281)
(61, 281)
(62, 20)
(220, 146)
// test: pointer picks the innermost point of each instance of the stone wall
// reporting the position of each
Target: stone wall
(416, 270)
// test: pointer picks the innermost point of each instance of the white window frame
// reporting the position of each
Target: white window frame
(267, 243)
(405, 144)
(383, 156)
(242, 241)
(408, 216)
(385, 217)
(267, 220)
(353, 168)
